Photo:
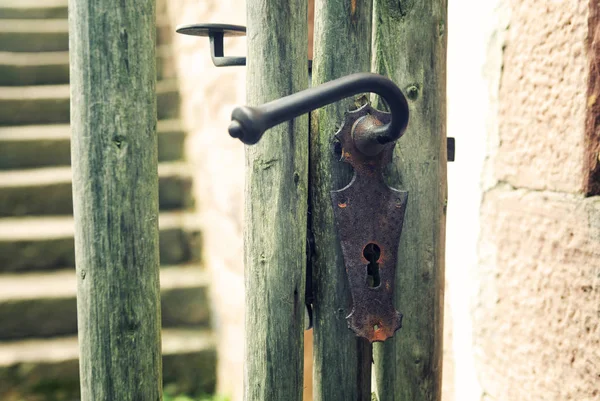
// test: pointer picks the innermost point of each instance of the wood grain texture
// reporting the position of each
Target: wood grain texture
(342, 361)
(409, 46)
(276, 206)
(115, 190)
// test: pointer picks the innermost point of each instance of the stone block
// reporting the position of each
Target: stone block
(47, 243)
(47, 369)
(542, 100)
(536, 319)
(33, 146)
(44, 304)
(45, 104)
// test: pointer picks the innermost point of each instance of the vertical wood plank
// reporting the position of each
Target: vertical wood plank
(342, 361)
(115, 190)
(409, 46)
(276, 205)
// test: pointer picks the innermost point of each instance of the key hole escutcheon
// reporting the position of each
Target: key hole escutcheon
(372, 252)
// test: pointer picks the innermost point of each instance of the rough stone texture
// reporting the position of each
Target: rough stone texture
(536, 321)
(543, 96)
(536, 314)
(592, 137)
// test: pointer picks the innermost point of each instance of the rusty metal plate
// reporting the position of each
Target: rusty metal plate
(369, 217)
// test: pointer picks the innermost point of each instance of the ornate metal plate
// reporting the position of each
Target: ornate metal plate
(369, 217)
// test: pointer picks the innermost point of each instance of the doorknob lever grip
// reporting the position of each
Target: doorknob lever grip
(250, 123)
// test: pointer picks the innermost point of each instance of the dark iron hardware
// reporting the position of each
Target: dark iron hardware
(450, 144)
(369, 215)
(250, 123)
(216, 33)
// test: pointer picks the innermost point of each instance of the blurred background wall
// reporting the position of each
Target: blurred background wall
(523, 239)
(208, 95)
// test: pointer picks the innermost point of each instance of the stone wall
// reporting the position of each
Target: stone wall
(536, 313)
(208, 95)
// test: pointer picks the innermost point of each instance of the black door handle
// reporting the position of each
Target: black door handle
(250, 123)
(216, 33)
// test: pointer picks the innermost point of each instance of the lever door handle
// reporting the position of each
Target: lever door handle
(250, 123)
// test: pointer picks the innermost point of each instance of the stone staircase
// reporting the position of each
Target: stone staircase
(38, 319)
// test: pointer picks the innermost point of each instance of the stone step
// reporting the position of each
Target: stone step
(48, 369)
(31, 146)
(44, 304)
(47, 243)
(48, 191)
(48, 104)
(33, 9)
(19, 69)
(52, 68)
(52, 35)
(34, 35)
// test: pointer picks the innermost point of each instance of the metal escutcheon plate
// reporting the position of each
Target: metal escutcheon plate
(369, 216)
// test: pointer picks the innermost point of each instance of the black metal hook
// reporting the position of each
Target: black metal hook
(250, 123)
(216, 33)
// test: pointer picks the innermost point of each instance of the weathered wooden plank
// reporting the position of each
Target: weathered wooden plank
(115, 190)
(342, 361)
(276, 206)
(410, 48)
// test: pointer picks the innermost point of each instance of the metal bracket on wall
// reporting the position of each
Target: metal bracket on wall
(216, 33)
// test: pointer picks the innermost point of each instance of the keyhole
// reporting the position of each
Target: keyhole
(372, 252)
